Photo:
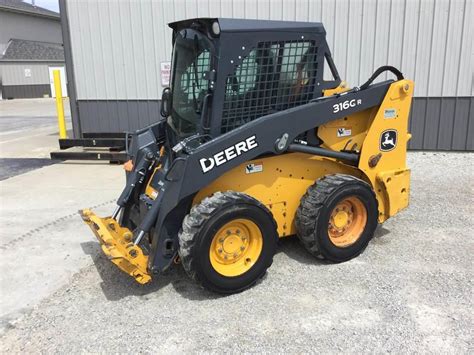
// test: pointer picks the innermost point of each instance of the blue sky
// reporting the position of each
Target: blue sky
(47, 4)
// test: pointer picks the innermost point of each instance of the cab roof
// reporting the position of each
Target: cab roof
(251, 25)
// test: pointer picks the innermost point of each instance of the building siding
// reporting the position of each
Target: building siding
(117, 47)
(14, 73)
(101, 115)
(431, 122)
(442, 123)
(15, 84)
(25, 91)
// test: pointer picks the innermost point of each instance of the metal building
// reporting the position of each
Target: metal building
(117, 54)
(30, 48)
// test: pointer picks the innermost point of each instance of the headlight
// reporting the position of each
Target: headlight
(216, 29)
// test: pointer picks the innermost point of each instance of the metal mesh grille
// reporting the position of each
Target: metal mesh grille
(273, 77)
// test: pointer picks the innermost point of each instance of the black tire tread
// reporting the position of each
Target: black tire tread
(198, 215)
(310, 207)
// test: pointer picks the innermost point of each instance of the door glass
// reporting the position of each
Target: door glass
(191, 61)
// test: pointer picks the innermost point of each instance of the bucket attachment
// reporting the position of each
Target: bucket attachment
(116, 242)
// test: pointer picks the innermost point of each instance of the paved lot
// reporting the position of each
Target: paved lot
(28, 133)
(38, 213)
(410, 291)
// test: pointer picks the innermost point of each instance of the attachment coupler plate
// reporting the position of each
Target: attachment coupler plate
(116, 243)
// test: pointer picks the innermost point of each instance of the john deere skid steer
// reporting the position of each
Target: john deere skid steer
(259, 140)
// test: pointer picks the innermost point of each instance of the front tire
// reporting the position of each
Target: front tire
(227, 242)
(337, 217)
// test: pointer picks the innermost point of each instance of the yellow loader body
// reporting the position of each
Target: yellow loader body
(280, 181)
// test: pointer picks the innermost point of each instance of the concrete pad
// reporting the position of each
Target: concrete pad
(40, 107)
(41, 231)
(29, 128)
(36, 143)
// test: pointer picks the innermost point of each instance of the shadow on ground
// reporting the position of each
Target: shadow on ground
(117, 285)
(293, 248)
(10, 167)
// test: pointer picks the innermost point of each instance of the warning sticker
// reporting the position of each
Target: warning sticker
(390, 113)
(165, 73)
(344, 132)
(254, 168)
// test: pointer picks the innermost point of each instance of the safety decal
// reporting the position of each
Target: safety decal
(390, 113)
(388, 140)
(254, 168)
(344, 132)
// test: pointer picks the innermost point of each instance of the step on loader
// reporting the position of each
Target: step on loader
(260, 139)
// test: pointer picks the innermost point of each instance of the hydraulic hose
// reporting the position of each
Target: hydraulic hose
(352, 157)
(379, 71)
(364, 86)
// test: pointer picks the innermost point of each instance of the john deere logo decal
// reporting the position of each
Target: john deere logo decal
(388, 140)
(207, 164)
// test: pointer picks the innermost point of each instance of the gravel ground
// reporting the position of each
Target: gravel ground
(410, 291)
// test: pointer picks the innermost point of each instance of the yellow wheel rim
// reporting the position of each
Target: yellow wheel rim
(347, 222)
(236, 247)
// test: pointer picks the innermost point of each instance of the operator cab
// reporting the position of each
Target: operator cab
(280, 68)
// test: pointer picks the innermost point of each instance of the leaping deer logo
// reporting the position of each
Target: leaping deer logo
(388, 142)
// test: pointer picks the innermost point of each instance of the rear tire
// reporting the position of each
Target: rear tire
(227, 242)
(337, 217)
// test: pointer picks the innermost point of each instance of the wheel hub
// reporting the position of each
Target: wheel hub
(347, 222)
(341, 219)
(232, 245)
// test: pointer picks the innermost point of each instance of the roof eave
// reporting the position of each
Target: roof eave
(30, 13)
(5, 60)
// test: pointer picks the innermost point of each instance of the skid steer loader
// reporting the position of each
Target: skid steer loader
(259, 140)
